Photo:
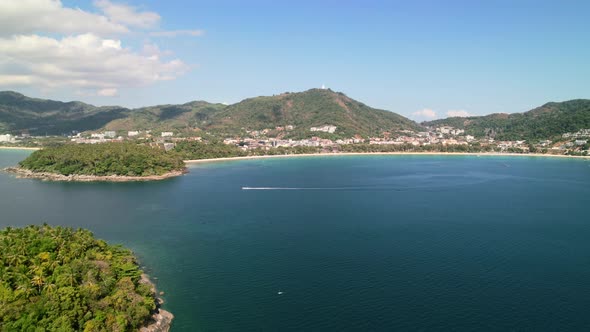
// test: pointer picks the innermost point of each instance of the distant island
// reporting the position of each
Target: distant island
(116, 162)
(63, 279)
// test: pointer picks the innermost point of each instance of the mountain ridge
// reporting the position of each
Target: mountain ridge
(302, 110)
(548, 121)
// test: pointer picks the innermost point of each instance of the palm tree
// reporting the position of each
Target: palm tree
(38, 282)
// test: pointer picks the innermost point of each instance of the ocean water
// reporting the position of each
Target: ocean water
(369, 243)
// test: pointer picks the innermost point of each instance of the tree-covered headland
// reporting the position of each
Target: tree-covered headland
(61, 279)
(123, 159)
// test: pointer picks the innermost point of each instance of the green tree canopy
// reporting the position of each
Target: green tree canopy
(55, 278)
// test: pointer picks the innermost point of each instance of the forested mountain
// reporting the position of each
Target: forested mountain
(312, 108)
(302, 110)
(40, 116)
(548, 121)
(185, 117)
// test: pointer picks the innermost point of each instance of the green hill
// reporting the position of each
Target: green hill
(312, 108)
(185, 117)
(548, 121)
(40, 116)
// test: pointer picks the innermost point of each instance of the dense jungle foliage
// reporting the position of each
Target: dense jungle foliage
(61, 279)
(125, 159)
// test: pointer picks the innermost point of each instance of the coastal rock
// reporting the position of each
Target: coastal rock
(161, 322)
(161, 319)
(22, 173)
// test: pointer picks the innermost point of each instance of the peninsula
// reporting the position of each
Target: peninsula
(113, 162)
(67, 280)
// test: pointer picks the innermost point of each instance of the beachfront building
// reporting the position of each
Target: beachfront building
(110, 134)
(132, 133)
(7, 138)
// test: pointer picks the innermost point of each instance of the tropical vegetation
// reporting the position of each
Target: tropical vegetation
(194, 150)
(61, 279)
(546, 122)
(303, 110)
(114, 158)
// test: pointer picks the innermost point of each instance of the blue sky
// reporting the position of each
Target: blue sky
(471, 57)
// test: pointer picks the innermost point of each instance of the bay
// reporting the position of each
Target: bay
(347, 242)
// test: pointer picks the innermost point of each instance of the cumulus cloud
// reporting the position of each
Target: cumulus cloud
(127, 15)
(176, 33)
(458, 113)
(47, 45)
(425, 113)
(83, 61)
(50, 16)
(108, 92)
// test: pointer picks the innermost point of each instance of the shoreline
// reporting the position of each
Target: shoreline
(160, 320)
(482, 154)
(22, 173)
(18, 148)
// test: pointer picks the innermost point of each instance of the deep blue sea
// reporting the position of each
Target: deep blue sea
(366, 243)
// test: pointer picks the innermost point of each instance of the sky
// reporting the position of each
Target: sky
(421, 59)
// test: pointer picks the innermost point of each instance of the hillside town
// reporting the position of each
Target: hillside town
(270, 138)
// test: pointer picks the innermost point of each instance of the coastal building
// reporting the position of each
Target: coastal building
(7, 138)
(167, 134)
(169, 146)
(132, 133)
(110, 134)
(545, 143)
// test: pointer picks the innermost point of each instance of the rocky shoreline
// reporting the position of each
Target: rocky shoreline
(22, 173)
(161, 319)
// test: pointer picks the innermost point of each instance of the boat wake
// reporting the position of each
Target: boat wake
(289, 188)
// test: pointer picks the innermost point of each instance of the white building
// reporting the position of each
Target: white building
(132, 133)
(110, 134)
(444, 130)
(167, 134)
(457, 132)
(7, 138)
(326, 129)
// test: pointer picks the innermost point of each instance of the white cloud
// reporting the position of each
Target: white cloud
(84, 61)
(175, 33)
(44, 44)
(50, 16)
(458, 113)
(426, 113)
(108, 92)
(127, 15)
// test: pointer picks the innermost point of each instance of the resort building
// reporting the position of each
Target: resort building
(7, 138)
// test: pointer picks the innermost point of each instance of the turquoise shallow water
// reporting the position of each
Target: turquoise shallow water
(356, 243)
